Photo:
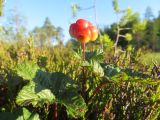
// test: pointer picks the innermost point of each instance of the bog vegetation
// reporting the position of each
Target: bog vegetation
(119, 79)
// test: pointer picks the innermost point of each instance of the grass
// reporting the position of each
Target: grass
(149, 58)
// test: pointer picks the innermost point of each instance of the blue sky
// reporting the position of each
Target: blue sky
(60, 14)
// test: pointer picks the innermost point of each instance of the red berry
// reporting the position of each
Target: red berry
(94, 33)
(84, 35)
(83, 31)
(82, 24)
(72, 30)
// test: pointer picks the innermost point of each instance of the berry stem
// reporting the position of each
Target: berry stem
(84, 80)
(55, 111)
(83, 51)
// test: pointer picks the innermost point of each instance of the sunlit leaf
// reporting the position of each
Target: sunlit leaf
(128, 37)
(35, 95)
(97, 68)
(25, 114)
(27, 70)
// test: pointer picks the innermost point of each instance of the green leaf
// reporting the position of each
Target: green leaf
(130, 48)
(85, 64)
(43, 78)
(127, 17)
(76, 106)
(97, 69)
(25, 114)
(19, 114)
(96, 55)
(139, 26)
(78, 54)
(156, 115)
(34, 94)
(134, 73)
(156, 97)
(74, 9)
(34, 116)
(120, 77)
(60, 83)
(26, 70)
(106, 40)
(115, 5)
(65, 89)
(111, 70)
(128, 37)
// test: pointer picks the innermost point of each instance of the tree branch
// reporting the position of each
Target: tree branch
(91, 7)
(125, 29)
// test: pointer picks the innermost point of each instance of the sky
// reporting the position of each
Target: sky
(60, 13)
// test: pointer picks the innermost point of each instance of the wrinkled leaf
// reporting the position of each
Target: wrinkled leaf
(96, 55)
(27, 71)
(66, 91)
(35, 95)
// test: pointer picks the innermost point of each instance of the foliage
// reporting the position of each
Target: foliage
(74, 9)
(120, 89)
(128, 37)
(20, 114)
(1, 7)
(34, 94)
(149, 58)
(35, 77)
(46, 88)
(116, 6)
(106, 40)
(47, 34)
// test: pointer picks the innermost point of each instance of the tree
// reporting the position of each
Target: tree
(59, 35)
(16, 22)
(129, 28)
(39, 36)
(149, 14)
(1, 7)
(128, 25)
(158, 13)
(155, 38)
(13, 29)
(49, 29)
(47, 34)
